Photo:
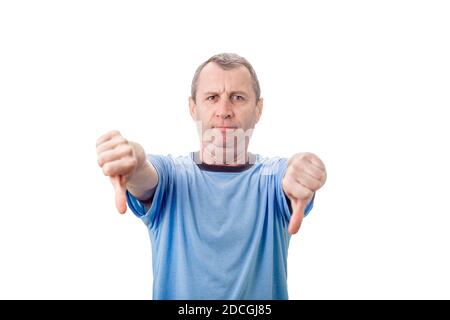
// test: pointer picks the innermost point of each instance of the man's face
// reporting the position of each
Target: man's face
(225, 100)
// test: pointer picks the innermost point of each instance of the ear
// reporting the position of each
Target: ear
(259, 109)
(193, 109)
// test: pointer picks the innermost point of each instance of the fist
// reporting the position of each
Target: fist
(305, 174)
(119, 159)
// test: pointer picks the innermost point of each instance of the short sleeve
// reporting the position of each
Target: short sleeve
(283, 202)
(165, 168)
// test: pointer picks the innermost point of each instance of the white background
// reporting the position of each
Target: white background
(363, 84)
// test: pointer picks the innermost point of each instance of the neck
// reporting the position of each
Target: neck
(224, 156)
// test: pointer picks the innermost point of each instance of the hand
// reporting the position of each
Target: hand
(119, 159)
(305, 174)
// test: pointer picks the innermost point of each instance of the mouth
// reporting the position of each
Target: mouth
(224, 129)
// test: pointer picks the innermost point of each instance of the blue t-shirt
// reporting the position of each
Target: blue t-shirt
(218, 234)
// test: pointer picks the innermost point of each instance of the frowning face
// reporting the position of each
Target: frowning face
(225, 100)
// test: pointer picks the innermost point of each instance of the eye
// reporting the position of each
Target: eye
(211, 98)
(237, 97)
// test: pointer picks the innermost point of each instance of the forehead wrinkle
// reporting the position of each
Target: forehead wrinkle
(228, 81)
(240, 87)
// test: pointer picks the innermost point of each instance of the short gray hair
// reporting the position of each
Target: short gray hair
(227, 61)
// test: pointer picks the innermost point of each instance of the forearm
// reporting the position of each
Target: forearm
(143, 182)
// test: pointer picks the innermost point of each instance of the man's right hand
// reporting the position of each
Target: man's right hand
(119, 159)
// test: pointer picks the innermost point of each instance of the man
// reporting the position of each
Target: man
(219, 219)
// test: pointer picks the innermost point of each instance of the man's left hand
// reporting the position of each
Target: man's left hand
(305, 175)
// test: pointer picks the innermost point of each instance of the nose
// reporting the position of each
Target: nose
(224, 110)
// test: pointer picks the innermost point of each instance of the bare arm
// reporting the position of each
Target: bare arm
(126, 164)
(142, 184)
(305, 174)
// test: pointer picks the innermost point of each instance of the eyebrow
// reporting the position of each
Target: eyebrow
(242, 93)
(210, 93)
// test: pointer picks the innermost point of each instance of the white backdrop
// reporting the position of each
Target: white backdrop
(363, 84)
